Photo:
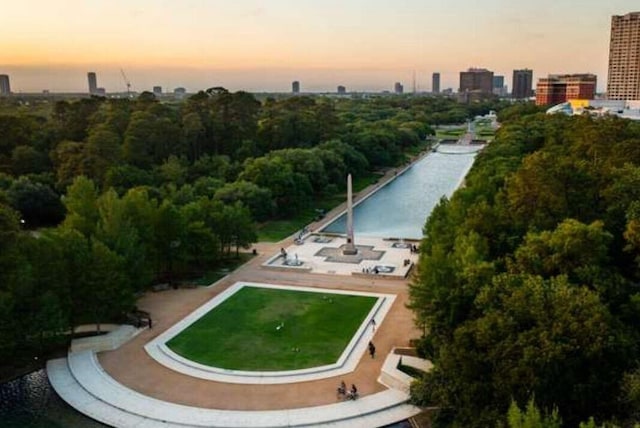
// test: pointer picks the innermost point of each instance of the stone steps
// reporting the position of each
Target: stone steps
(81, 381)
(74, 394)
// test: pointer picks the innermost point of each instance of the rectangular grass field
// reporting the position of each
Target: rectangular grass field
(266, 329)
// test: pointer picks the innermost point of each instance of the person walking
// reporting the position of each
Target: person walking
(372, 350)
(353, 393)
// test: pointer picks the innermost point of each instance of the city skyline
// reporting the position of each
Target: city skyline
(257, 47)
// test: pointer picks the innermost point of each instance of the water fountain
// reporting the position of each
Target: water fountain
(292, 261)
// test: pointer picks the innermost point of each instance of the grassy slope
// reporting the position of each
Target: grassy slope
(241, 333)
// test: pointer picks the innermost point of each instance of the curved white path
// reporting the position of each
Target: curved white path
(83, 383)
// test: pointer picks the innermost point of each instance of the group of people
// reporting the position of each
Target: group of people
(351, 394)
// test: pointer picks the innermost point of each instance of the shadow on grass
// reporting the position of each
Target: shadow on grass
(277, 230)
(223, 268)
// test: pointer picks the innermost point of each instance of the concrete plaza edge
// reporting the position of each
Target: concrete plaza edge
(160, 352)
(81, 381)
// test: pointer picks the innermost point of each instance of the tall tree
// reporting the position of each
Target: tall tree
(81, 204)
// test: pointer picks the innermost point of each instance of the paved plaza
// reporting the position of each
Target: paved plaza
(323, 253)
(137, 390)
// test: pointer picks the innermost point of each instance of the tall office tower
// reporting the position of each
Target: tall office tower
(295, 87)
(476, 79)
(157, 90)
(498, 82)
(435, 83)
(624, 58)
(398, 88)
(522, 84)
(559, 88)
(93, 83)
(5, 87)
(342, 90)
(498, 86)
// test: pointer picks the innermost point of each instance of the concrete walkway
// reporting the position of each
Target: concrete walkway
(131, 373)
(309, 253)
(81, 381)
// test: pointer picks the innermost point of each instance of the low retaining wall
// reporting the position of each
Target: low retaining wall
(106, 342)
(392, 377)
(346, 363)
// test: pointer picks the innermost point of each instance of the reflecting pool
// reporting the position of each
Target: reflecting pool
(400, 208)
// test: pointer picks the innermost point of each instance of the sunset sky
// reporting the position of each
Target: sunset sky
(263, 45)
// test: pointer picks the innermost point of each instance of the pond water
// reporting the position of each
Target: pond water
(31, 402)
(400, 208)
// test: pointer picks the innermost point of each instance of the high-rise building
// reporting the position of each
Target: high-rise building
(559, 88)
(93, 83)
(498, 86)
(476, 79)
(623, 81)
(398, 88)
(435, 83)
(157, 90)
(498, 82)
(522, 84)
(5, 87)
(295, 87)
(342, 90)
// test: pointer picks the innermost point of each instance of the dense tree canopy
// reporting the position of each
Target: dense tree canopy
(528, 282)
(138, 191)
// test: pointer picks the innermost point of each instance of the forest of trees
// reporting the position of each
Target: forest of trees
(100, 198)
(528, 285)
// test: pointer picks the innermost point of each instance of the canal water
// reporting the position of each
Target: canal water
(400, 208)
(31, 402)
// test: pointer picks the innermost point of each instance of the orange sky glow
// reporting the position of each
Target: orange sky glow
(263, 45)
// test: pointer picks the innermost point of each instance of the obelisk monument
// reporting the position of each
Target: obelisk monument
(350, 248)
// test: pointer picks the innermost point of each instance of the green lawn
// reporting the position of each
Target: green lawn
(416, 150)
(485, 131)
(277, 230)
(210, 277)
(242, 333)
(450, 132)
(363, 181)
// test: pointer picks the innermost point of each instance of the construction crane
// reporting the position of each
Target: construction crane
(126, 81)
